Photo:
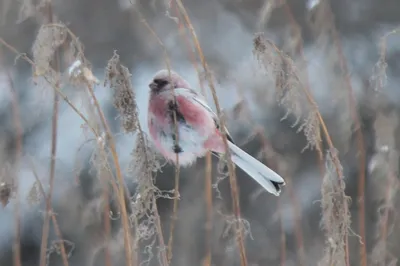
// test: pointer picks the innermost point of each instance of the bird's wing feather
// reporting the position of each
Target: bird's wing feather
(193, 95)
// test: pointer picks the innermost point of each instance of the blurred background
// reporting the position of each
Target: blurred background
(347, 53)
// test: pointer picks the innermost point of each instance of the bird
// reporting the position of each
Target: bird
(174, 107)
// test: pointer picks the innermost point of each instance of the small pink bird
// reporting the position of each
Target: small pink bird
(198, 129)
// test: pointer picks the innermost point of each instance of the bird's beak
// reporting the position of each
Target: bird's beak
(153, 86)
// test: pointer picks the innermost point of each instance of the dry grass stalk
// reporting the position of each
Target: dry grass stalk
(19, 135)
(298, 49)
(63, 252)
(282, 165)
(266, 11)
(79, 73)
(290, 92)
(184, 35)
(384, 169)
(335, 215)
(48, 40)
(121, 188)
(209, 206)
(5, 190)
(145, 213)
(144, 163)
(231, 168)
(124, 97)
(281, 67)
(378, 78)
(100, 163)
(177, 166)
(329, 33)
(47, 61)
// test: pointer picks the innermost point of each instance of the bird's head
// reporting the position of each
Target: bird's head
(165, 80)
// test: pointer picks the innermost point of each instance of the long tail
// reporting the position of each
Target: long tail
(263, 175)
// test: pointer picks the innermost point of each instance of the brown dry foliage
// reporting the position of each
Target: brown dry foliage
(281, 66)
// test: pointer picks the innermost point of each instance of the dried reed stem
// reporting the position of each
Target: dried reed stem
(46, 223)
(121, 190)
(297, 214)
(261, 48)
(19, 132)
(57, 89)
(53, 216)
(181, 28)
(107, 224)
(209, 206)
(360, 144)
(283, 235)
(231, 169)
(177, 166)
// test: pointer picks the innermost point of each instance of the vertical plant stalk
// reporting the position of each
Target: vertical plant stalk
(174, 216)
(166, 258)
(107, 226)
(231, 169)
(385, 220)
(293, 198)
(54, 128)
(161, 241)
(164, 255)
(359, 136)
(181, 28)
(121, 190)
(283, 235)
(18, 153)
(300, 50)
(53, 217)
(209, 207)
(266, 145)
(331, 148)
(65, 98)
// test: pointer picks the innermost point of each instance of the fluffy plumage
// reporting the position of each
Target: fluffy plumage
(171, 97)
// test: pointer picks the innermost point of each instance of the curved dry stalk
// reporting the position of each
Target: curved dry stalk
(209, 206)
(283, 235)
(182, 31)
(297, 214)
(312, 134)
(325, 14)
(361, 149)
(379, 78)
(177, 166)
(58, 92)
(19, 134)
(121, 190)
(46, 223)
(53, 216)
(231, 168)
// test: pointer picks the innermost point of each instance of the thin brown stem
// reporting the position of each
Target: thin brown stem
(121, 190)
(231, 169)
(46, 223)
(283, 235)
(107, 226)
(209, 206)
(18, 152)
(167, 260)
(336, 162)
(161, 241)
(360, 144)
(174, 208)
(53, 216)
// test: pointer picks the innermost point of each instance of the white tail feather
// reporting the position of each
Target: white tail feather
(255, 169)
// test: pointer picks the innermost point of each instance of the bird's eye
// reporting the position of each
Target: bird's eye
(160, 82)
